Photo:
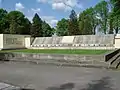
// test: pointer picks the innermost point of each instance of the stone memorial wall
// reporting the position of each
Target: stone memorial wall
(12, 41)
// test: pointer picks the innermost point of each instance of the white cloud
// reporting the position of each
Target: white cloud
(71, 3)
(50, 20)
(59, 6)
(19, 6)
(48, 17)
(42, 1)
(35, 10)
(53, 22)
(65, 5)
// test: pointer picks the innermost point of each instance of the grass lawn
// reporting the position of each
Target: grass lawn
(61, 51)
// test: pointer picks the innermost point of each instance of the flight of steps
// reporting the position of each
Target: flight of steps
(115, 61)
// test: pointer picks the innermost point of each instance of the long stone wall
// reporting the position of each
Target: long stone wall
(75, 42)
(81, 39)
(8, 41)
(57, 59)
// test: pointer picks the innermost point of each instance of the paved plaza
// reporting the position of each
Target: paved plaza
(46, 77)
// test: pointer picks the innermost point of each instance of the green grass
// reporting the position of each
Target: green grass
(59, 51)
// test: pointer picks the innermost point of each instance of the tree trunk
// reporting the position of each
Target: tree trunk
(116, 30)
(111, 27)
(94, 30)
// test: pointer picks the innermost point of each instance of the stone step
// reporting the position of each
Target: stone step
(116, 63)
(57, 63)
(111, 61)
(82, 61)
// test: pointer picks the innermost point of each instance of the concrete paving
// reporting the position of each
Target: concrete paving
(44, 77)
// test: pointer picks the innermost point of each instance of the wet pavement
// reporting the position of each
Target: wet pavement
(46, 77)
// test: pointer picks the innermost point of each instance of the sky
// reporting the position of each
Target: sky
(49, 10)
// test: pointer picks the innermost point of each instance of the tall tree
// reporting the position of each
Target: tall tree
(94, 19)
(62, 27)
(4, 24)
(27, 27)
(36, 30)
(102, 12)
(73, 28)
(116, 14)
(88, 21)
(116, 4)
(110, 22)
(47, 30)
(17, 22)
(2, 13)
(110, 18)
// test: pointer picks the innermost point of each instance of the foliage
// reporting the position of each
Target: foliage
(2, 13)
(15, 22)
(110, 21)
(18, 23)
(4, 24)
(73, 28)
(116, 5)
(47, 30)
(27, 27)
(62, 27)
(115, 15)
(36, 30)
(102, 12)
(88, 21)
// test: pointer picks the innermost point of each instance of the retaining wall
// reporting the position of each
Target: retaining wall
(57, 59)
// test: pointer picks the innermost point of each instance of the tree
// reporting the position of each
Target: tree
(47, 30)
(73, 28)
(110, 18)
(2, 13)
(62, 27)
(110, 21)
(88, 21)
(101, 10)
(4, 24)
(116, 14)
(36, 30)
(94, 19)
(116, 5)
(116, 23)
(27, 27)
(18, 22)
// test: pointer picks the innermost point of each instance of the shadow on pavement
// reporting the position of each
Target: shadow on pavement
(102, 84)
(67, 86)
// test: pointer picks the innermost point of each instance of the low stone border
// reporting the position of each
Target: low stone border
(57, 59)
